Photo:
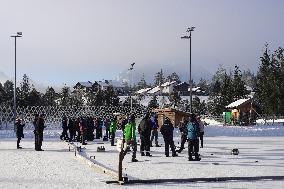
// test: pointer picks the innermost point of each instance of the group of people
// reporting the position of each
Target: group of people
(82, 129)
(87, 128)
(38, 131)
(192, 130)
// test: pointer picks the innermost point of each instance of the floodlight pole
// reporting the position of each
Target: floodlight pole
(190, 76)
(130, 81)
(19, 34)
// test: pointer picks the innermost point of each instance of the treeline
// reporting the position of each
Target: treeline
(27, 95)
(225, 87)
(267, 85)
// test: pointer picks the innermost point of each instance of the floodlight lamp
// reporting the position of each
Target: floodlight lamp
(185, 37)
(190, 29)
(19, 33)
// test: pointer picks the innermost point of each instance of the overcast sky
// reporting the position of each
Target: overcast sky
(65, 41)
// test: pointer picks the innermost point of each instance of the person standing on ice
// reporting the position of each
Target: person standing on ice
(112, 130)
(130, 135)
(64, 135)
(201, 130)
(192, 137)
(72, 129)
(39, 127)
(144, 129)
(155, 127)
(19, 131)
(83, 130)
(35, 128)
(183, 133)
(167, 130)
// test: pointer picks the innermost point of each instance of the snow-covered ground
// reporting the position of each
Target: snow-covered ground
(56, 167)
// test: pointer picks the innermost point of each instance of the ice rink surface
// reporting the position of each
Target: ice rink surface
(57, 167)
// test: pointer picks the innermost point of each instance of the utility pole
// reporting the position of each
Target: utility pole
(19, 34)
(190, 76)
(130, 81)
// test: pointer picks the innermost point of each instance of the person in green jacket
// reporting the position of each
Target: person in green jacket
(130, 135)
(112, 129)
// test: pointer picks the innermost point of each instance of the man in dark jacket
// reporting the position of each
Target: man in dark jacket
(39, 127)
(72, 129)
(192, 136)
(64, 135)
(183, 133)
(144, 129)
(19, 132)
(167, 132)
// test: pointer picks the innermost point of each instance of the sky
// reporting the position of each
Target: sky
(66, 41)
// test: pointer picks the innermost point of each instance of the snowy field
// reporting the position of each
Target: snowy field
(261, 154)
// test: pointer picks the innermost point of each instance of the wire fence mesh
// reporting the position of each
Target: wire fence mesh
(54, 114)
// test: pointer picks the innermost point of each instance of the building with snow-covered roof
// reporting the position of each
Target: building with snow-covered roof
(197, 91)
(143, 91)
(243, 111)
(155, 91)
(117, 86)
(84, 86)
(168, 87)
(182, 88)
(100, 85)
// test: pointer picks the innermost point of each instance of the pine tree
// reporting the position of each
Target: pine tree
(2, 94)
(24, 91)
(198, 107)
(175, 99)
(95, 99)
(34, 98)
(8, 93)
(159, 78)
(49, 97)
(249, 78)
(65, 96)
(239, 90)
(204, 86)
(142, 83)
(279, 56)
(173, 77)
(110, 97)
(266, 87)
(77, 98)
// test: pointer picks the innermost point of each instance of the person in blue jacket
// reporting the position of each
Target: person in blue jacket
(192, 137)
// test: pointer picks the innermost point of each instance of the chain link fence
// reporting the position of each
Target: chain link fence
(54, 114)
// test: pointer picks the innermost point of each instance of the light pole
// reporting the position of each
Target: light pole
(19, 34)
(130, 81)
(190, 80)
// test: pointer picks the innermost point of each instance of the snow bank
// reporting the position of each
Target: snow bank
(237, 131)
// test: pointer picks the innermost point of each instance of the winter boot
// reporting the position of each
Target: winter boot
(148, 154)
(197, 157)
(134, 160)
(190, 158)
